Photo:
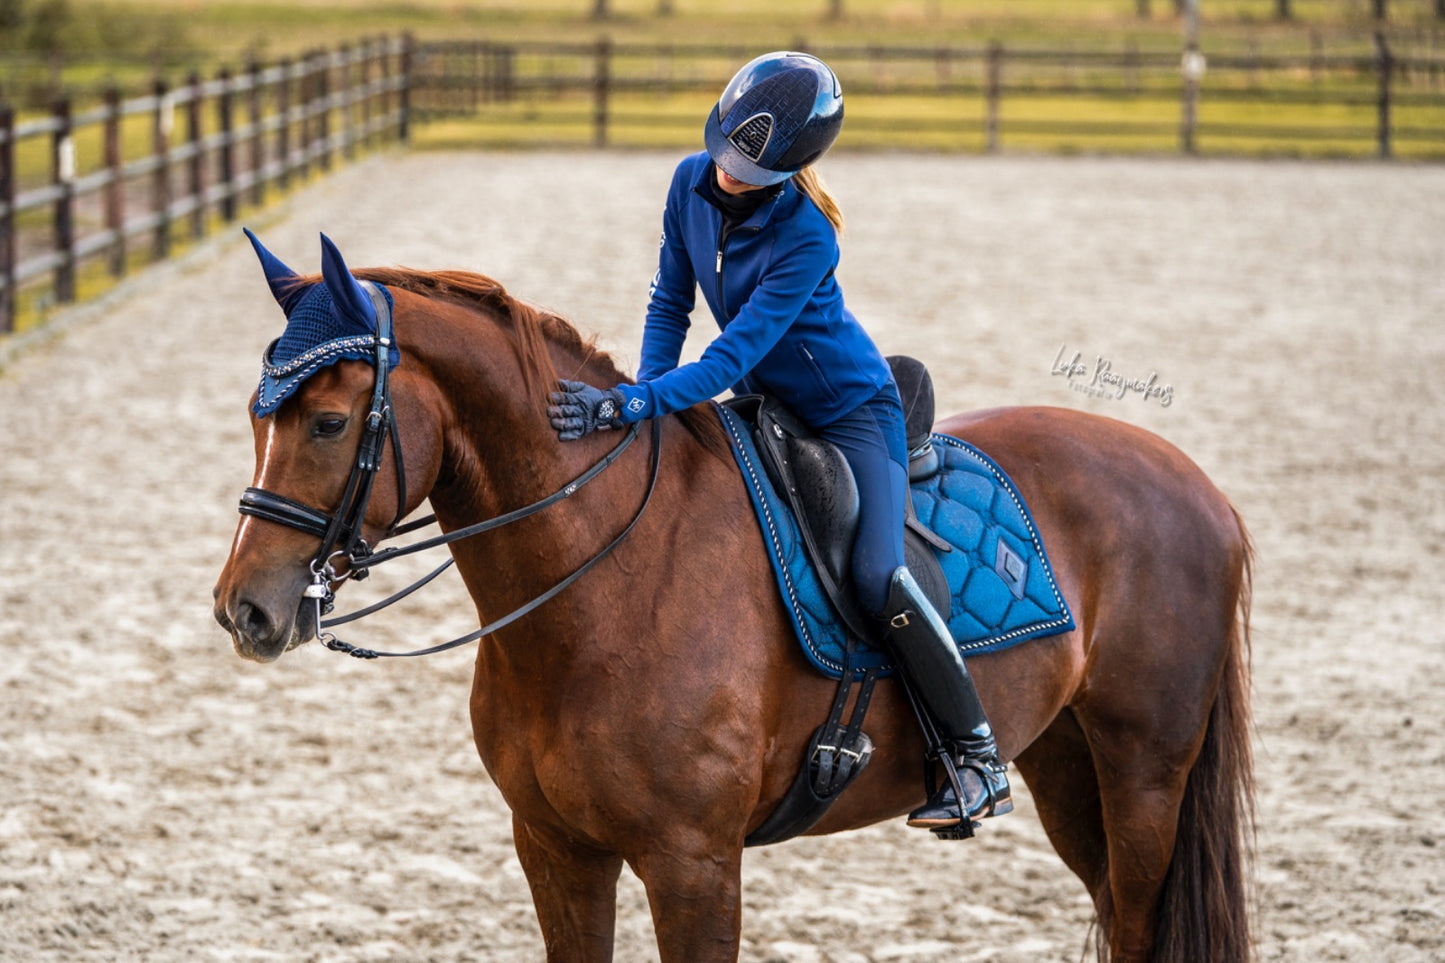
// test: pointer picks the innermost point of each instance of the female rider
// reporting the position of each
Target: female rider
(750, 222)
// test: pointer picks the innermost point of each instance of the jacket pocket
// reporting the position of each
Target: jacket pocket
(819, 376)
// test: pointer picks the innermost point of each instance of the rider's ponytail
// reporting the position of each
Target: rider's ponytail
(812, 185)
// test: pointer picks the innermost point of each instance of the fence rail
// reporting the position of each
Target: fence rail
(982, 97)
(123, 172)
(124, 180)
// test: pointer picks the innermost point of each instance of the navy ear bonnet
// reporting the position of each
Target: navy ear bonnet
(325, 323)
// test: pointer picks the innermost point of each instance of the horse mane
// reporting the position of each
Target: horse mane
(532, 330)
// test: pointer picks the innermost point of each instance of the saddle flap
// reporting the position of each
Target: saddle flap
(816, 479)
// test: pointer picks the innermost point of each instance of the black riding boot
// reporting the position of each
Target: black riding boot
(927, 654)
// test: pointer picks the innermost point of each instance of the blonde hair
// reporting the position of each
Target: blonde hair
(816, 191)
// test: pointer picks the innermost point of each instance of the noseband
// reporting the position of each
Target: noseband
(341, 531)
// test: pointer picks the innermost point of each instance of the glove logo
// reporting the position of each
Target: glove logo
(636, 405)
(607, 410)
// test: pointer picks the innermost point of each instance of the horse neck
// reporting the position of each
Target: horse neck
(500, 453)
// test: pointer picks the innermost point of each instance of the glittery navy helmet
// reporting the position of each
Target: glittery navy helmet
(779, 114)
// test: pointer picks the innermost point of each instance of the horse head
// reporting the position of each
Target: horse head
(325, 395)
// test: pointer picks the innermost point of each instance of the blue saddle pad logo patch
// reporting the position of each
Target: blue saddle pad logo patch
(998, 574)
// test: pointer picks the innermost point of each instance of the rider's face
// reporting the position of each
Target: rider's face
(731, 185)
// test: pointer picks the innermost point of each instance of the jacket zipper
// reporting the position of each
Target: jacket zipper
(722, 239)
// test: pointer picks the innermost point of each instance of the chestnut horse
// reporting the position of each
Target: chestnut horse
(656, 711)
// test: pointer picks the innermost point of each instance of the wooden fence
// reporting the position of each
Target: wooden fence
(102, 188)
(983, 98)
(127, 179)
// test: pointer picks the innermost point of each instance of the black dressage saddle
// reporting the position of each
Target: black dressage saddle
(814, 478)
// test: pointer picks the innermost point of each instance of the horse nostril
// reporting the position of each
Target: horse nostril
(252, 621)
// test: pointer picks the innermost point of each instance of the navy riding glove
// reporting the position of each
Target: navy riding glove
(580, 409)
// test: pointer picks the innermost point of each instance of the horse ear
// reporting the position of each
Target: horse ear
(351, 300)
(279, 277)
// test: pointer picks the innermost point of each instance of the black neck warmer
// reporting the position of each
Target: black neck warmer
(737, 208)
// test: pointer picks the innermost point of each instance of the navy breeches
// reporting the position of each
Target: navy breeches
(872, 439)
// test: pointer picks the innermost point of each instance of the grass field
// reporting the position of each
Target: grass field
(142, 33)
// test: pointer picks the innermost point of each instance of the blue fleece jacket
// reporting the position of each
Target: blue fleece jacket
(770, 285)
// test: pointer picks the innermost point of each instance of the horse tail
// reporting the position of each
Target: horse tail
(1204, 907)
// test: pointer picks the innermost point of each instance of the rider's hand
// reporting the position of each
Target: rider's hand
(580, 409)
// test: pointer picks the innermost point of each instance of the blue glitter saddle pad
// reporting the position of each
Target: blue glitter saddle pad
(1002, 586)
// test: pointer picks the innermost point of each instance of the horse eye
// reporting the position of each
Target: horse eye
(329, 426)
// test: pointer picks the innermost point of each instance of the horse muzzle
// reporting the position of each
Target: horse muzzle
(263, 633)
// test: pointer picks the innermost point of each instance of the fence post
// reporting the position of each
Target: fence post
(476, 75)
(1191, 66)
(993, 95)
(283, 129)
(227, 109)
(346, 91)
(115, 188)
(305, 92)
(1385, 64)
(600, 82)
(507, 73)
(258, 140)
(162, 124)
(323, 104)
(62, 169)
(7, 218)
(383, 104)
(408, 63)
(196, 161)
(363, 95)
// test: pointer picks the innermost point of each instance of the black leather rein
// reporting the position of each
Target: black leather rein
(344, 526)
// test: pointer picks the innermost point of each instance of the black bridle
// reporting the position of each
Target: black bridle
(341, 531)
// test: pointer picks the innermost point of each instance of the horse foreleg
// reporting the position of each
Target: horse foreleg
(694, 887)
(574, 890)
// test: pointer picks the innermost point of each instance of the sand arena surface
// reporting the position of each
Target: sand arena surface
(163, 801)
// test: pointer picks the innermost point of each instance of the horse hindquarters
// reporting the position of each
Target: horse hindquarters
(1165, 709)
(1142, 782)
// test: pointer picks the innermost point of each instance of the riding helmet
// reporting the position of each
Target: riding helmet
(779, 114)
